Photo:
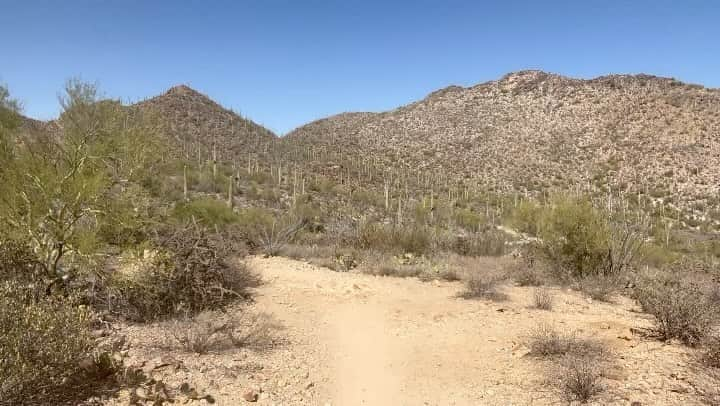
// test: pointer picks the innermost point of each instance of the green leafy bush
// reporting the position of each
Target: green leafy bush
(207, 211)
(41, 345)
(575, 236)
(525, 217)
(579, 240)
(396, 239)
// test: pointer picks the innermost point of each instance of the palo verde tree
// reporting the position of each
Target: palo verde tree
(61, 190)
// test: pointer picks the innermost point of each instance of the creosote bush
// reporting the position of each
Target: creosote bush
(681, 308)
(41, 345)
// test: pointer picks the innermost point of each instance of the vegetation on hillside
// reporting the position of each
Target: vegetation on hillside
(103, 219)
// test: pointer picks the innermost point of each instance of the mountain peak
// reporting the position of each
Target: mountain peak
(182, 90)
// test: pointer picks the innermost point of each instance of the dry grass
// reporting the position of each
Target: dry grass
(546, 341)
(528, 276)
(483, 287)
(599, 287)
(213, 332)
(542, 299)
(578, 377)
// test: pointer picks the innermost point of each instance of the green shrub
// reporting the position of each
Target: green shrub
(468, 219)
(41, 346)
(395, 239)
(525, 217)
(575, 236)
(206, 211)
(579, 240)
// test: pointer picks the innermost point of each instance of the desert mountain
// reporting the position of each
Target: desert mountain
(195, 122)
(530, 131)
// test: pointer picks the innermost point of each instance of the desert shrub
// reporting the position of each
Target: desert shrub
(527, 276)
(546, 341)
(207, 211)
(367, 197)
(396, 270)
(251, 222)
(711, 352)
(18, 263)
(397, 239)
(489, 242)
(599, 287)
(574, 236)
(580, 240)
(468, 219)
(482, 287)
(187, 270)
(525, 217)
(207, 332)
(579, 378)
(41, 345)
(272, 238)
(542, 299)
(680, 307)
(657, 256)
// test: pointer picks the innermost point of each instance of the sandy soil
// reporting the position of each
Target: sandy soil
(353, 339)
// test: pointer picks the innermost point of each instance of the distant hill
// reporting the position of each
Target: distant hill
(192, 120)
(531, 131)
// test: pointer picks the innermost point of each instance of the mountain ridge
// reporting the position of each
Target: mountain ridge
(531, 131)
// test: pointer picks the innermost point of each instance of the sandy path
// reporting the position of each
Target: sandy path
(391, 341)
(352, 339)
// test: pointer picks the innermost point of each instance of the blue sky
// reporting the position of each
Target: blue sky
(286, 62)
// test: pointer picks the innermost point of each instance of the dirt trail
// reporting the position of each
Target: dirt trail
(353, 339)
(391, 341)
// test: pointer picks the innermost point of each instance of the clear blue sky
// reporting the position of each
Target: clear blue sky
(284, 63)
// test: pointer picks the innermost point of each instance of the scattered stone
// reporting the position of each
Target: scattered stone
(250, 396)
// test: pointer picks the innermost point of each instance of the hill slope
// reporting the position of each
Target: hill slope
(531, 130)
(193, 121)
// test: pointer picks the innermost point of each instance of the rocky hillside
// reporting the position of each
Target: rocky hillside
(530, 131)
(197, 123)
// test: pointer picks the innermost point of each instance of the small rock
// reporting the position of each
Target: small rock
(99, 333)
(309, 385)
(250, 396)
